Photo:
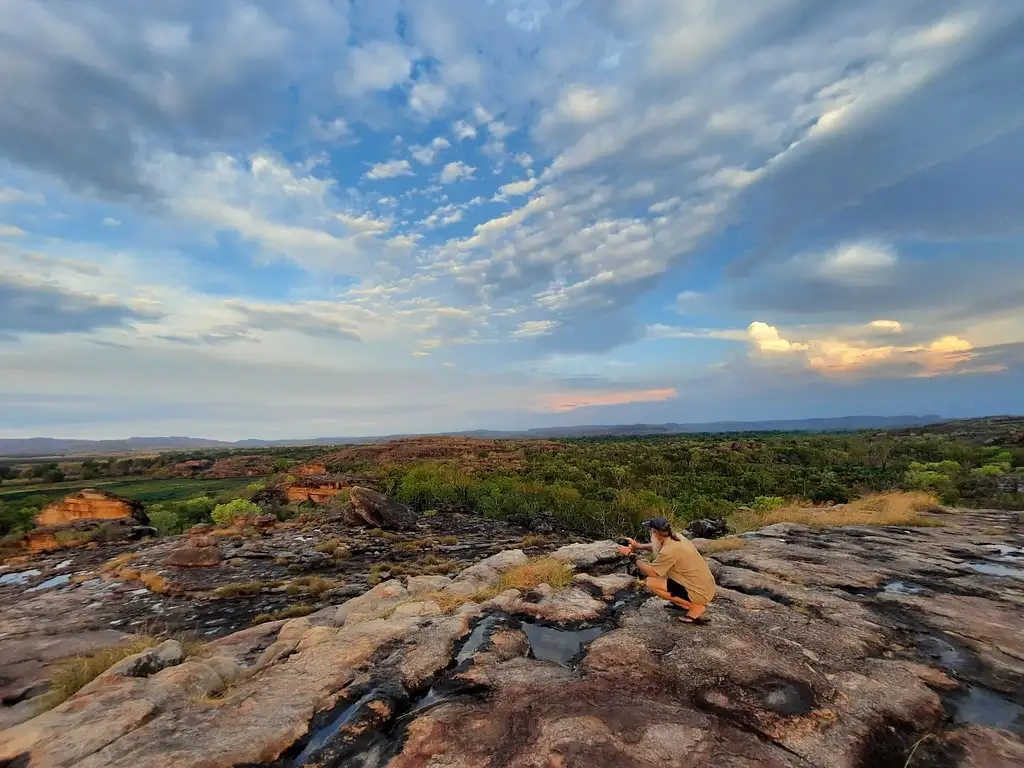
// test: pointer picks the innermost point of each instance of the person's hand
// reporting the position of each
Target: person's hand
(632, 542)
(626, 551)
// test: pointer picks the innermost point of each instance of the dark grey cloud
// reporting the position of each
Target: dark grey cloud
(40, 308)
(88, 85)
(959, 283)
(930, 163)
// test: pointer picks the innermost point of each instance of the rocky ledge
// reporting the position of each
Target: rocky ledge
(847, 647)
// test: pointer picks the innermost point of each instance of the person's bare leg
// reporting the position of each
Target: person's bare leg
(660, 588)
(695, 611)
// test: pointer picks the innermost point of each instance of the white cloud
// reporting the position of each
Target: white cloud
(329, 130)
(9, 230)
(389, 169)
(463, 130)
(11, 195)
(375, 66)
(530, 328)
(456, 171)
(767, 338)
(427, 98)
(855, 263)
(525, 159)
(427, 154)
(515, 188)
(109, 221)
(889, 326)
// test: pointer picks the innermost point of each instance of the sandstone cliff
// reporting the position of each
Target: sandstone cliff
(90, 504)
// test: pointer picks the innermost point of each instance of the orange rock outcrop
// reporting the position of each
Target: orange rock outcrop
(90, 504)
(317, 490)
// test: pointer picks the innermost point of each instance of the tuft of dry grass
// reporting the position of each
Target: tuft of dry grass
(530, 575)
(314, 586)
(896, 508)
(77, 672)
(117, 563)
(722, 545)
(155, 582)
(291, 612)
(245, 589)
(533, 540)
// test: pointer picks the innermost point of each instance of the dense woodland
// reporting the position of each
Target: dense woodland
(599, 486)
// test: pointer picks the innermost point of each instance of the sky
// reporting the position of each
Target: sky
(254, 218)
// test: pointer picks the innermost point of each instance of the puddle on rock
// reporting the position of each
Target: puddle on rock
(993, 569)
(18, 578)
(947, 655)
(56, 581)
(562, 646)
(326, 732)
(476, 638)
(980, 706)
(897, 587)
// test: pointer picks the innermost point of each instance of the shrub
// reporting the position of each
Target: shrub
(225, 514)
(166, 520)
(768, 503)
(833, 492)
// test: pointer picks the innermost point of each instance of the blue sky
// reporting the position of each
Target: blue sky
(262, 219)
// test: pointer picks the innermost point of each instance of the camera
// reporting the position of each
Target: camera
(623, 543)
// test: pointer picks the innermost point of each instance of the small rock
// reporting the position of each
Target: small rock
(194, 557)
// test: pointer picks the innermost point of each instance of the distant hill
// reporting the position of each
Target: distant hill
(48, 446)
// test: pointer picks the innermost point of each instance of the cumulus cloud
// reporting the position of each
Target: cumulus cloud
(389, 170)
(456, 171)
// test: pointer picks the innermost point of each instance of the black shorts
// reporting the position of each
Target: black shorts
(678, 590)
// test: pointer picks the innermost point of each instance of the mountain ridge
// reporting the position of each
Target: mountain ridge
(50, 446)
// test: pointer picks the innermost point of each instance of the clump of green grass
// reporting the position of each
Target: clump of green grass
(77, 672)
(314, 586)
(291, 612)
(431, 565)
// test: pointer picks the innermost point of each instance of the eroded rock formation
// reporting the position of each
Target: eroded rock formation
(90, 504)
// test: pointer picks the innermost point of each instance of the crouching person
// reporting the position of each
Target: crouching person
(678, 573)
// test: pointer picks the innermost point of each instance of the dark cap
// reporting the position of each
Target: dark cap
(659, 524)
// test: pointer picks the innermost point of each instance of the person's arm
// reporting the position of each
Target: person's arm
(634, 544)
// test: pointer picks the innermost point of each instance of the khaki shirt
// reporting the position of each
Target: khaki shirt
(681, 562)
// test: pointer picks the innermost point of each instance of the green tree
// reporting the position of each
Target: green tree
(225, 514)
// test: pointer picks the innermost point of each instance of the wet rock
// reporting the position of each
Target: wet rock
(378, 511)
(708, 528)
(609, 585)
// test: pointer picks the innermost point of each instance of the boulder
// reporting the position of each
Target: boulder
(90, 504)
(198, 552)
(709, 528)
(378, 511)
(588, 555)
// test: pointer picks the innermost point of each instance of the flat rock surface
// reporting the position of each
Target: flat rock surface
(849, 647)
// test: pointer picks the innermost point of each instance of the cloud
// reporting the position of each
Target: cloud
(329, 130)
(110, 221)
(463, 130)
(456, 171)
(766, 338)
(9, 195)
(427, 154)
(515, 188)
(375, 66)
(389, 170)
(296, 320)
(530, 328)
(9, 230)
(32, 306)
(563, 402)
